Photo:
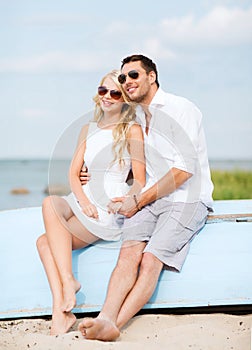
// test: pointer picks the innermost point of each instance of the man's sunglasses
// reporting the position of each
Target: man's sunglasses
(115, 94)
(133, 74)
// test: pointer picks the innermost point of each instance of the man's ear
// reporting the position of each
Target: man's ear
(152, 77)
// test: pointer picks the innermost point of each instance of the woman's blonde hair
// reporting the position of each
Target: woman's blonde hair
(127, 116)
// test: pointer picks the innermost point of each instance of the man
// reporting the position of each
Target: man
(171, 210)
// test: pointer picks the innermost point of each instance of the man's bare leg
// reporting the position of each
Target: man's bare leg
(104, 326)
(143, 289)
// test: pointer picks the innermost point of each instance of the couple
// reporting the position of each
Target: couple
(137, 127)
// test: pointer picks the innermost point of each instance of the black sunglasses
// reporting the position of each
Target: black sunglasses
(132, 74)
(115, 94)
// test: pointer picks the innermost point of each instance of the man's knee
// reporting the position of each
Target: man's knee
(131, 254)
(150, 264)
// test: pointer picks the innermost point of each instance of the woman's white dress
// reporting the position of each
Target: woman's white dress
(108, 180)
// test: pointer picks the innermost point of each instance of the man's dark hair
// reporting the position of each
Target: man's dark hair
(147, 64)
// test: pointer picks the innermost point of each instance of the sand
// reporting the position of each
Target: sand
(147, 332)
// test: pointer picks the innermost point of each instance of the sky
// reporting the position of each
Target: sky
(54, 53)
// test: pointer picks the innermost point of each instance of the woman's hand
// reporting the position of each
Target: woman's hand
(90, 210)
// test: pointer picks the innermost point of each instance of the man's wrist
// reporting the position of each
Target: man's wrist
(137, 202)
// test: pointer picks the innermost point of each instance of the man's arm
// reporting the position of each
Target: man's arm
(165, 186)
(84, 175)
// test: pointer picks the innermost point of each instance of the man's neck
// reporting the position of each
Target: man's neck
(147, 118)
(145, 106)
(151, 93)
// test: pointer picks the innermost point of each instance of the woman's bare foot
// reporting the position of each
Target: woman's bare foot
(99, 329)
(70, 288)
(62, 322)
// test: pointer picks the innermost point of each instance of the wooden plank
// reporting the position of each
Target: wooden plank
(231, 210)
(230, 217)
(216, 272)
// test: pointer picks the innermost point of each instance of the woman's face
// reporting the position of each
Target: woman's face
(110, 96)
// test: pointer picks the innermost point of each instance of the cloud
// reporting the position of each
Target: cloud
(33, 114)
(221, 26)
(57, 61)
(55, 19)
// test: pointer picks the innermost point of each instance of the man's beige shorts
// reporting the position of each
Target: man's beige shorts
(168, 228)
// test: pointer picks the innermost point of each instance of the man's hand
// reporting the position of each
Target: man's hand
(128, 206)
(114, 207)
(84, 176)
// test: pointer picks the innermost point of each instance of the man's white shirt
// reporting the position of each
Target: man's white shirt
(176, 139)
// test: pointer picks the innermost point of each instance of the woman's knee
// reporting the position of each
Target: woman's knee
(47, 205)
(54, 206)
(42, 243)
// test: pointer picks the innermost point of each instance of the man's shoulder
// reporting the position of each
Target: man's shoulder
(179, 105)
(178, 100)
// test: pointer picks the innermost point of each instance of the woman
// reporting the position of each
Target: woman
(110, 147)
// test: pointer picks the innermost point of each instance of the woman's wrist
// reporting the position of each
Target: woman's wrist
(83, 203)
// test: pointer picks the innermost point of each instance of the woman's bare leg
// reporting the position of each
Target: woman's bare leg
(71, 286)
(60, 223)
(61, 321)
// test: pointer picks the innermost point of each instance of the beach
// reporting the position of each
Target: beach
(216, 331)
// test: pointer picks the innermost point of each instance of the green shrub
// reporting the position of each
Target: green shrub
(235, 184)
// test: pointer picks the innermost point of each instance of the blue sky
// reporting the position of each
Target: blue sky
(53, 54)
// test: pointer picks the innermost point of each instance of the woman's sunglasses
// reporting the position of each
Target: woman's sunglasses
(115, 94)
(132, 74)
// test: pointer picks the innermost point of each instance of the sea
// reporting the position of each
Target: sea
(24, 183)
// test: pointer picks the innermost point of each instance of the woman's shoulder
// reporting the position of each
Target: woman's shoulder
(86, 129)
(89, 126)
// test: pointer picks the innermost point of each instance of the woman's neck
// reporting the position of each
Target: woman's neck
(109, 121)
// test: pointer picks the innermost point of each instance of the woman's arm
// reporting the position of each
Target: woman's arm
(74, 175)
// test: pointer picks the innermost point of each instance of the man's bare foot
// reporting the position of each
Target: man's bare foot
(70, 288)
(99, 329)
(62, 322)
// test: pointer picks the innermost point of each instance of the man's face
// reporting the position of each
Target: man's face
(136, 89)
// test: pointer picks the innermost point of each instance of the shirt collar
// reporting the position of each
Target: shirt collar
(158, 101)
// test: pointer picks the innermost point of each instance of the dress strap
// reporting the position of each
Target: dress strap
(92, 128)
(132, 122)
